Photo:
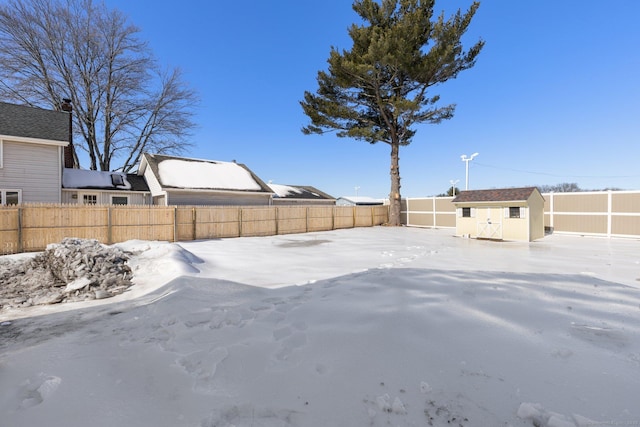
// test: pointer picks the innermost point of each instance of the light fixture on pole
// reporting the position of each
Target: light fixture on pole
(467, 160)
(357, 187)
(453, 186)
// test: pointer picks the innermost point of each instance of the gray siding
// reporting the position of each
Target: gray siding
(216, 199)
(33, 168)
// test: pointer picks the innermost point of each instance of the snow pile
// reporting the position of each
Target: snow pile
(73, 270)
(541, 417)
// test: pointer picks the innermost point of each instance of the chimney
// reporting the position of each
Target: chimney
(69, 150)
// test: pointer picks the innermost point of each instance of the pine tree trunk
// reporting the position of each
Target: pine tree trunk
(394, 196)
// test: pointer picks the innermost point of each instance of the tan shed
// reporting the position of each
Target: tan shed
(500, 214)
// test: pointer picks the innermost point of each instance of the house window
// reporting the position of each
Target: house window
(466, 212)
(10, 197)
(515, 212)
(90, 199)
(0, 154)
(119, 200)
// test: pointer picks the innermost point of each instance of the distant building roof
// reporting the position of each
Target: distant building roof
(102, 180)
(197, 174)
(360, 200)
(495, 195)
(299, 192)
(30, 122)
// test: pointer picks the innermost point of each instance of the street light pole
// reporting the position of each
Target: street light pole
(467, 160)
(453, 186)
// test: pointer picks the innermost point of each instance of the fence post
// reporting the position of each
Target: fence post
(239, 222)
(609, 209)
(435, 216)
(551, 211)
(306, 220)
(194, 223)
(354, 216)
(408, 221)
(109, 231)
(333, 218)
(20, 245)
(175, 223)
(277, 220)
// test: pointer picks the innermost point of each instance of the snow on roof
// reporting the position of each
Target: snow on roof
(82, 178)
(284, 190)
(205, 175)
(361, 200)
(298, 192)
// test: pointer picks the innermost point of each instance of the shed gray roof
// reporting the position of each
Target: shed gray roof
(31, 122)
(495, 195)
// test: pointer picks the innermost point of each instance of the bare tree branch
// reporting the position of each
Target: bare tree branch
(123, 104)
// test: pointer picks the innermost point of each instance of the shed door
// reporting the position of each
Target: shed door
(489, 222)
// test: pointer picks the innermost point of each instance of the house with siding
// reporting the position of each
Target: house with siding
(185, 181)
(91, 187)
(32, 143)
(500, 214)
(300, 195)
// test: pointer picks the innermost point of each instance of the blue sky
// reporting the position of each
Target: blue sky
(554, 96)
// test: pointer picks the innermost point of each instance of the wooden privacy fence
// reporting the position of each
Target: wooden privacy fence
(600, 213)
(28, 228)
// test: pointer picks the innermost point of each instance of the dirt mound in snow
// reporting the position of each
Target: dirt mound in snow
(73, 270)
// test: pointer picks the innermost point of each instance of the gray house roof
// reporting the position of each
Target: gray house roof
(31, 122)
(306, 192)
(495, 195)
(138, 183)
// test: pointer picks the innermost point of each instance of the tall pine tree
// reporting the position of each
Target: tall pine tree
(379, 90)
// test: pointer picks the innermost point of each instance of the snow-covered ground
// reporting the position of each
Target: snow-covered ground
(390, 327)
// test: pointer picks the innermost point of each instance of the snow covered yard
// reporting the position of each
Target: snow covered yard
(389, 327)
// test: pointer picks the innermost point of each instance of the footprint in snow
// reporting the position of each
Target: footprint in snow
(202, 366)
(291, 343)
(34, 392)
(248, 414)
